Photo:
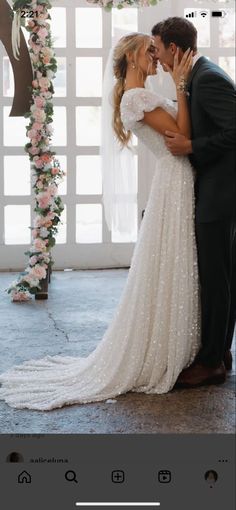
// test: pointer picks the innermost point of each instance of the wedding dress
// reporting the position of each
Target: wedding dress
(155, 330)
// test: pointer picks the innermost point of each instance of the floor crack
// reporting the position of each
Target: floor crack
(57, 327)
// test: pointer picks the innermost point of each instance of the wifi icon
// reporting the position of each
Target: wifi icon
(203, 13)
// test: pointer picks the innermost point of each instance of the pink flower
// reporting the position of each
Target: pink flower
(47, 52)
(39, 115)
(50, 216)
(38, 221)
(34, 233)
(33, 151)
(46, 60)
(43, 15)
(33, 260)
(39, 102)
(40, 8)
(31, 133)
(37, 125)
(55, 170)
(38, 163)
(52, 189)
(48, 223)
(34, 58)
(44, 82)
(20, 296)
(35, 84)
(42, 33)
(38, 272)
(39, 184)
(36, 48)
(39, 244)
(44, 200)
(35, 140)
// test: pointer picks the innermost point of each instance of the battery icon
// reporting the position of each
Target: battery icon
(218, 14)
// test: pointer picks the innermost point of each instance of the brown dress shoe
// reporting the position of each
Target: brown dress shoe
(228, 360)
(200, 375)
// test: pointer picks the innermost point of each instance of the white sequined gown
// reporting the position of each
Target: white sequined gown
(155, 330)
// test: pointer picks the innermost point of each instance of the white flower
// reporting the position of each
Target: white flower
(33, 282)
(50, 74)
(43, 232)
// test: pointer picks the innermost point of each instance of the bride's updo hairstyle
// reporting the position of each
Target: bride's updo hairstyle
(130, 43)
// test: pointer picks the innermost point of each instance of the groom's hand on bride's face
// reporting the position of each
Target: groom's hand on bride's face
(177, 144)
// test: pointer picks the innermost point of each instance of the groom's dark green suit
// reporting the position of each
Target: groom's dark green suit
(213, 115)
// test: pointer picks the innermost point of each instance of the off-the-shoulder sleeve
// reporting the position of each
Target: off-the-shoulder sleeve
(135, 102)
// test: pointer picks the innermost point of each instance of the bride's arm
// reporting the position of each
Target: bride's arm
(162, 121)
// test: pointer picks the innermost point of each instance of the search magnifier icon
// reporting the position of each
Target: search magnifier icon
(70, 476)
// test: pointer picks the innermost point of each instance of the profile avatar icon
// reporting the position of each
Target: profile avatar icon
(15, 457)
(211, 477)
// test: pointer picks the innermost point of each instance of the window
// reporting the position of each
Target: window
(83, 34)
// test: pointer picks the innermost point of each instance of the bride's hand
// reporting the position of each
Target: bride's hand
(181, 70)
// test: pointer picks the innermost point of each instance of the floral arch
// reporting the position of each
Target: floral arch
(46, 171)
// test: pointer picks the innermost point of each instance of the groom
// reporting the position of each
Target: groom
(212, 153)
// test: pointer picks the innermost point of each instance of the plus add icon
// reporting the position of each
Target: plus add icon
(118, 476)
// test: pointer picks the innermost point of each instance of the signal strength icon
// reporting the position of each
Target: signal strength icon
(191, 15)
(203, 13)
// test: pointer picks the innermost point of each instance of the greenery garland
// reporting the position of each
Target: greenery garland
(120, 4)
(45, 167)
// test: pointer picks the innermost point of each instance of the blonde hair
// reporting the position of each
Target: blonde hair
(129, 43)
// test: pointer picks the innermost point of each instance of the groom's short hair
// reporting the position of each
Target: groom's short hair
(177, 30)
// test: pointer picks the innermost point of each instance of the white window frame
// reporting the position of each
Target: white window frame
(106, 254)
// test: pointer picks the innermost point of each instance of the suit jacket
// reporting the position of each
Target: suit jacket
(213, 116)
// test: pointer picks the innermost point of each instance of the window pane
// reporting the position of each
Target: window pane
(8, 79)
(88, 28)
(228, 64)
(17, 175)
(17, 222)
(86, 69)
(62, 187)
(123, 21)
(59, 82)
(202, 25)
(62, 228)
(88, 223)
(58, 25)
(227, 29)
(59, 126)
(14, 129)
(88, 125)
(89, 175)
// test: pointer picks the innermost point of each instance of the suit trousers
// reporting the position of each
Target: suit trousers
(216, 245)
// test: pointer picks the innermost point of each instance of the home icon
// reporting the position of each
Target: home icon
(24, 477)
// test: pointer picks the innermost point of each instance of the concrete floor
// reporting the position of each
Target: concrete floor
(71, 322)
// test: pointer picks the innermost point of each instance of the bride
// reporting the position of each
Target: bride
(155, 330)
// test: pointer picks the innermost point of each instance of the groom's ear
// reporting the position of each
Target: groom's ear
(173, 48)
